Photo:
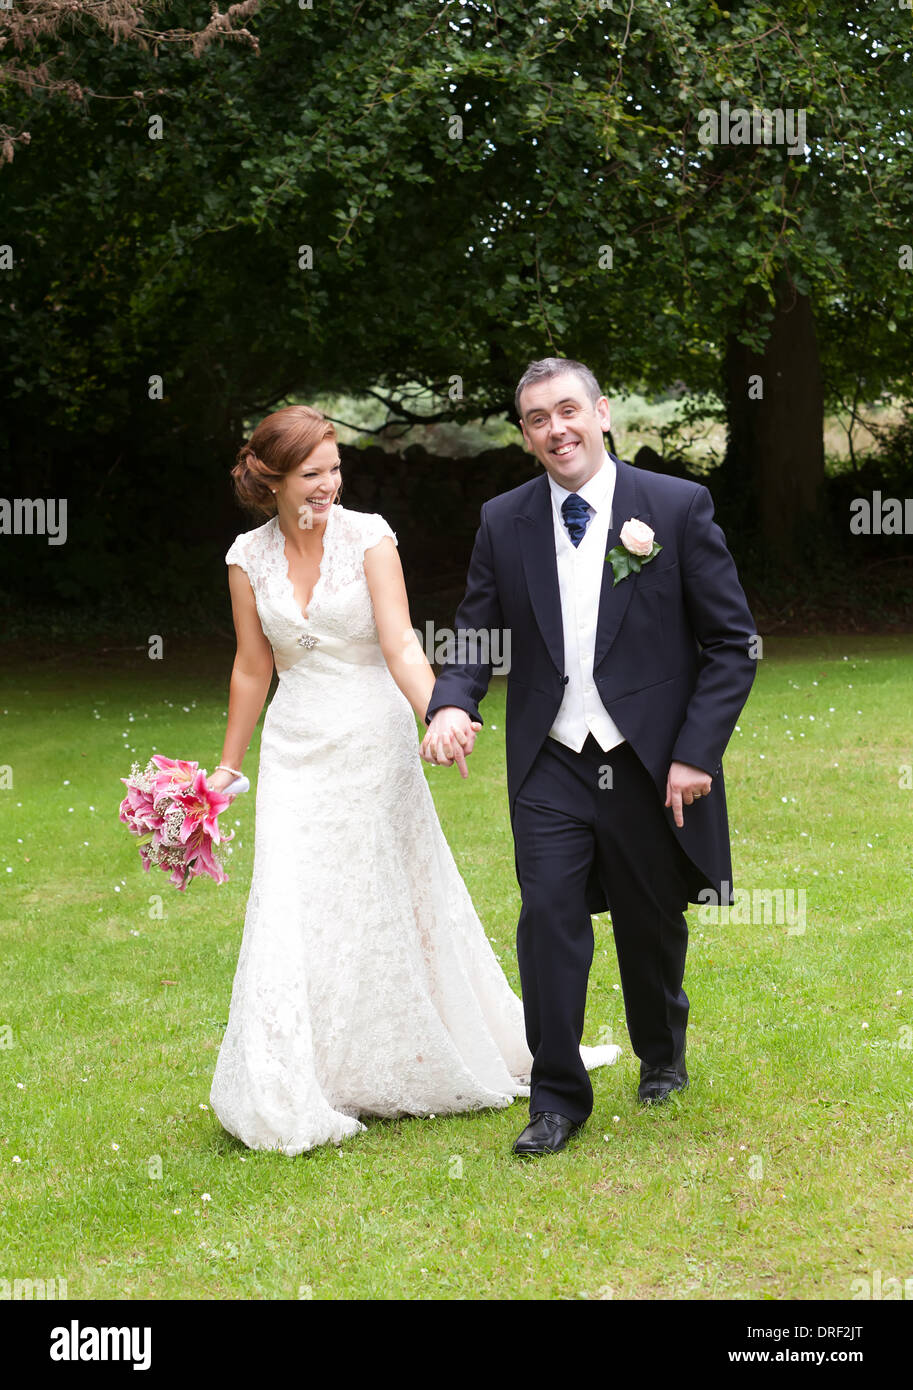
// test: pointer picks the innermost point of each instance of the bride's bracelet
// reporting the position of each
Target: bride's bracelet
(223, 768)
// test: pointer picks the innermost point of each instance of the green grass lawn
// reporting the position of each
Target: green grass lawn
(783, 1172)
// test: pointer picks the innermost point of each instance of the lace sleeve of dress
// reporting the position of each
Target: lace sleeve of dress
(237, 555)
(374, 530)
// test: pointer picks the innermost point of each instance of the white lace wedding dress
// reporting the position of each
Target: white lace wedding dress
(365, 982)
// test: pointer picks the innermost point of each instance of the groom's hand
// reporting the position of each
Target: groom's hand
(450, 738)
(684, 785)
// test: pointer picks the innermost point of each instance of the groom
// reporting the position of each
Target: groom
(621, 698)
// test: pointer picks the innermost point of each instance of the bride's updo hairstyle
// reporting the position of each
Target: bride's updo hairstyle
(281, 442)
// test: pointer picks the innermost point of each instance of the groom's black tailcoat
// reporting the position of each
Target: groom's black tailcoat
(674, 656)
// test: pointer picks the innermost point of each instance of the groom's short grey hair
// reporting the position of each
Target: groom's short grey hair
(547, 367)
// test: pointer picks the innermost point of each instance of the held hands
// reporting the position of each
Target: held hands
(684, 785)
(450, 738)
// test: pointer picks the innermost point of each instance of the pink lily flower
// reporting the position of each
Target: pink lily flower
(173, 772)
(201, 806)
(200, 858)
(175, 818)
(137, 809)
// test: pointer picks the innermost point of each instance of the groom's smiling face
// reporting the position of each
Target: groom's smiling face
(564, 428)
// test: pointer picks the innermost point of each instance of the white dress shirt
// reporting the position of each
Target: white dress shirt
(580, 571)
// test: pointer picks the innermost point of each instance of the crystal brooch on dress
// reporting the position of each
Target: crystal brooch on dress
(307, 640)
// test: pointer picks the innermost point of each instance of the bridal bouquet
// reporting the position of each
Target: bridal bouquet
(175, 817)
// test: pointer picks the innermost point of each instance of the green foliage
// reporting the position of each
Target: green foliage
(624, 563)
(462, 178)
(437, 250)
(894, 453)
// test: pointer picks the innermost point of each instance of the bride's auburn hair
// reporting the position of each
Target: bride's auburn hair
(280, 443)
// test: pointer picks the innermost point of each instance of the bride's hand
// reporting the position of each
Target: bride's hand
(220, 780)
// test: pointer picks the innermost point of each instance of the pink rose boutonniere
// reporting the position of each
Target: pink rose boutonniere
(637, 549)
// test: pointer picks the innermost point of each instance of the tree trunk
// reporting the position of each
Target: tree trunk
(775, 407)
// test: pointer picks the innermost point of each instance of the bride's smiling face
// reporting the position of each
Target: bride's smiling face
(309, 490)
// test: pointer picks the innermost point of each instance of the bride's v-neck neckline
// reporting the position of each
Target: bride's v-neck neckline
(280, 541)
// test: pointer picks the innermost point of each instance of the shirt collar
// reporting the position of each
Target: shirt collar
(595, 490)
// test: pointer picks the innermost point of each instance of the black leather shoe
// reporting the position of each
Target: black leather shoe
(658, 1083)
(546, 1133)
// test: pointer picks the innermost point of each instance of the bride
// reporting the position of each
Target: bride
(365, 983)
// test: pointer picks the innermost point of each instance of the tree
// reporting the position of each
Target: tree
(35, 34)
(405, 193)
(558, 158)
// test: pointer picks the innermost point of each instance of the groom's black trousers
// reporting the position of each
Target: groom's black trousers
(574, 810)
